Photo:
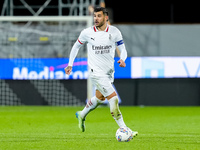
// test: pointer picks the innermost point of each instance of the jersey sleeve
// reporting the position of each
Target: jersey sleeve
(120, 44)
(74, 52)
(118, 36)
(123, 52)
(82, 37)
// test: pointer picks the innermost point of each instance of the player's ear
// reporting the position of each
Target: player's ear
(106, 18)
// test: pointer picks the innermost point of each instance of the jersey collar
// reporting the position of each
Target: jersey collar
(96, 30)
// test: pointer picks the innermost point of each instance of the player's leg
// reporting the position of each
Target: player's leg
(114, 109)
(115, 112)
(93, 103)
(105, 89)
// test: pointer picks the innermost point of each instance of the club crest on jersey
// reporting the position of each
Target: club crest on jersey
(110, 36)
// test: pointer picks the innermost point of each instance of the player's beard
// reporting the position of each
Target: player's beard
(100, 24)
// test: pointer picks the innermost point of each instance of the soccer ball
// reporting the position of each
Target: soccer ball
(124, 134)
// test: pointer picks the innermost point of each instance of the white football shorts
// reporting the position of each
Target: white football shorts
(103, 84)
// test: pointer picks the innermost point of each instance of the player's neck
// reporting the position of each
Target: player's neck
(102, 28)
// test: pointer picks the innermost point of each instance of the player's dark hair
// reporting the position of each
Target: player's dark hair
(97, 9)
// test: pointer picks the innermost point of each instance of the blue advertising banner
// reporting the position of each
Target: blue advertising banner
(165, 67)
(136, 67)
(52, 68)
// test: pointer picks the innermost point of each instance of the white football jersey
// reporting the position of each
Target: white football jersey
(101, 47)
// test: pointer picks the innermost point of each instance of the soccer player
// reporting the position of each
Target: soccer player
(101, 40)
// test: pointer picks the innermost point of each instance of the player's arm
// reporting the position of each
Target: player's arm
(123, 53)
(72, 56)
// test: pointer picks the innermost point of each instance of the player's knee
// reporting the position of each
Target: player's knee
(102, 98)
(99, 95)
(111, 95)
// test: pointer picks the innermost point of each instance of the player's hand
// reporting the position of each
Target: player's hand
(68, 70)
(121, 63)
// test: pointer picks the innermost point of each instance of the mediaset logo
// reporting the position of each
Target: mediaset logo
(46, 73)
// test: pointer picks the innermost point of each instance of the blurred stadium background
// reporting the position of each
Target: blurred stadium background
(162, 40)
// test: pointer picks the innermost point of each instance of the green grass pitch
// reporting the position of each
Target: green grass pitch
(56, 128)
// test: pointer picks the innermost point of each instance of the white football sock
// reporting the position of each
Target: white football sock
(115, 112)
(91, 105)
